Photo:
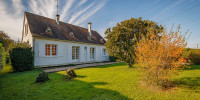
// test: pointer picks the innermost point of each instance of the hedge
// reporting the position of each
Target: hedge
(2, 57)
(194, 56)
(21, 58)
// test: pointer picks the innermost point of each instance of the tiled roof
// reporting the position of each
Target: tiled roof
(38, 26)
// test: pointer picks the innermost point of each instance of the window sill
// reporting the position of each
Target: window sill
(51, 56)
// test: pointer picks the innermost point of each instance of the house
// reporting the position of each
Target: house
(59, 43)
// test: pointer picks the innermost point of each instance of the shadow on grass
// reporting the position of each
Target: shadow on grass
(193, 67)
(112, 65)
(55, 88)
(192, 83)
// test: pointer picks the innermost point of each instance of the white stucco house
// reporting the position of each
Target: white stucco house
(59, 43)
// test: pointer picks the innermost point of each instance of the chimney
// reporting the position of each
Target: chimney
(89, 28)
(57, 19)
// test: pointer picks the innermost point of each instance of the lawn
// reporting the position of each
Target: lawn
(115, 81)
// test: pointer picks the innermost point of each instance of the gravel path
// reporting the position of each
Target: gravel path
(56, 69)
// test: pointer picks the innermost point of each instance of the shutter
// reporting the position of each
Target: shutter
(60, 50)
(41, 50)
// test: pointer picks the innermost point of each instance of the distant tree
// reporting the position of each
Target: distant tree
(120, 39)
(2, 57)
(158, 58)
(5, 40)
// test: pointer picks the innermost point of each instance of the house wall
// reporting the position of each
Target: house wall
(64, 53)
(27, 37)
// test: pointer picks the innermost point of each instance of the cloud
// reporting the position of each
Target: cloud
(71, 11)
(90, 13)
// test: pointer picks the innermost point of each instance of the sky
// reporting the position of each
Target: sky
(104, 14)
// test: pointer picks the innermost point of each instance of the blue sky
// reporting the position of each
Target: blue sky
(104, 14)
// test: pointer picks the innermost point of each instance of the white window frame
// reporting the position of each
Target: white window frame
(75, 53)
(51, 50)
(92, 52)
(104, 53)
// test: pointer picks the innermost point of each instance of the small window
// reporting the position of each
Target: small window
(89, 38)
(71, 34)
(91, 53)
(50, 50)
(104, 52)
(25, 29)
(75, 53)
(101, 40)
(48, 30)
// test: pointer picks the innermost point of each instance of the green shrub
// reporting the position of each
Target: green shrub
(194, 57)
(21, 58)
(2, 57)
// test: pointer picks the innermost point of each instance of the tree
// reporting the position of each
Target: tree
(2, 57)
(159, 57)
(120, 39)
(5, 40)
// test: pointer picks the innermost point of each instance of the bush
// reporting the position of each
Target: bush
(42, 77)
(2, 57)
(21, 58)
(158, 58)
(70, 74)
(194, 56)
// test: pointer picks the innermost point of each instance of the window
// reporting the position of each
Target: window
(25, 29)
(104, 52)
(48, 30)
(101, 40)
(50, 50)
(91, 53)
(71, 34)
(75, 53)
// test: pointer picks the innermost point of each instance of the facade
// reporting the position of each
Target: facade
(58, 43)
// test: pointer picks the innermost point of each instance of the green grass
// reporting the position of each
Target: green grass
(115, 81)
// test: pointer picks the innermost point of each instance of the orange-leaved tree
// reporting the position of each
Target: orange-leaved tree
(158, 57)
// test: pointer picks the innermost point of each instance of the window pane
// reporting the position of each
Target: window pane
(54, 50)
(47, 50)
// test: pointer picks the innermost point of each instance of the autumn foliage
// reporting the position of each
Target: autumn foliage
(158, 58)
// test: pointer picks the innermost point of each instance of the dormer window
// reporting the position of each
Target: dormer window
(71, 34)
(48, 30)
(89, 38)
(101, 40)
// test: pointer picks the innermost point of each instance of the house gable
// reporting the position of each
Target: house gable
(26, 33)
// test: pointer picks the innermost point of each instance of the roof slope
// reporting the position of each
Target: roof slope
(39, 24)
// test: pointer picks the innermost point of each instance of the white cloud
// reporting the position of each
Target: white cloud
(11, 19)
(90, 13)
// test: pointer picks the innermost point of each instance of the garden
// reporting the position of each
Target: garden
(157, 65)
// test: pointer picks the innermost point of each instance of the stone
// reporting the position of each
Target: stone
(42, 77)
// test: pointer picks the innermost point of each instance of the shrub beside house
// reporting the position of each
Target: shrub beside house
(21, 57)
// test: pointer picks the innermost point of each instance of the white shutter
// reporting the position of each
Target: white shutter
(60, 50)
(41, 49)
